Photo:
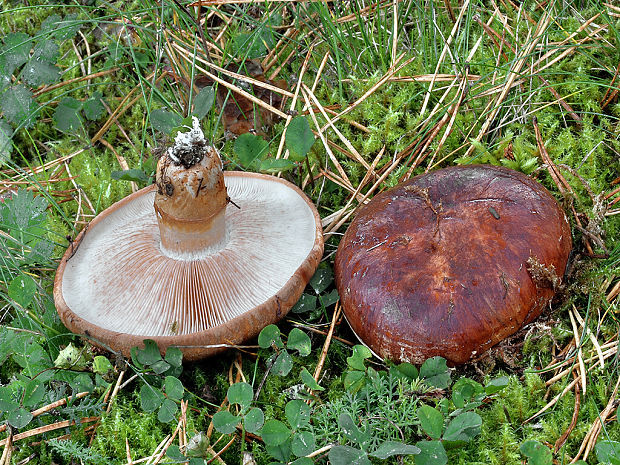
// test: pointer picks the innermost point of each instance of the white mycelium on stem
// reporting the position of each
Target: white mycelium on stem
(186, 141)
(191, 197)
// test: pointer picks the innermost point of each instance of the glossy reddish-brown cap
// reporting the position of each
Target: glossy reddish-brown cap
(451, 262)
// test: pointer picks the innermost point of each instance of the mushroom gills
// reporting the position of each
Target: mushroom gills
(121, 280)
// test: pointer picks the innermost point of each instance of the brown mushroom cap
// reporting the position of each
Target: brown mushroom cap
(451, 262)
(116, 285)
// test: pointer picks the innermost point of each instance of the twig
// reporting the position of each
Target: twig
(289, 117)
(73, 81)
(581, 365)
(592, 435)
(47, 428)
(562, 439)
(557, 177)
(52, 406)
(444, 52)
(8, 450)
(121, 161)
(326, 344)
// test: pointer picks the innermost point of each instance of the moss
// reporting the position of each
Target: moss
(93, 174)
(58, 231)
(16, 17)
(503, 429)
(127, 421)
(537, 345)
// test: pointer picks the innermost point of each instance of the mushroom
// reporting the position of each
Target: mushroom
(180, 263)
(451, 262)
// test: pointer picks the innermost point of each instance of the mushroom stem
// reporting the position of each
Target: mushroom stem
(190, 202)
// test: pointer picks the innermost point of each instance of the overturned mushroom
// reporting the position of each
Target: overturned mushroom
(198, 270)
(451, 262)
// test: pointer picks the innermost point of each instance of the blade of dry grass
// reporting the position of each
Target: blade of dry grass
(356, 156)
(336, 222)
(452, 111)
(68, 82)
(123, 106)
(424, 78)
(274, 54)
(364, 12)
(591, 436)
(49, 407)
(444, 52)
(581, 366)
(573, 422)
(394, 31)
(47, 428)
(289, 117)
(500, 41)
(189, 55)
(514, 72)
(390, 72)
(330, 154)
(553, 170)
(206, 3)
(366, 196)
(326, 344)
(8, 450)
(121, 161)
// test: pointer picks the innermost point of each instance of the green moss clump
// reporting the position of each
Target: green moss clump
(127, 421)
(93, 174)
